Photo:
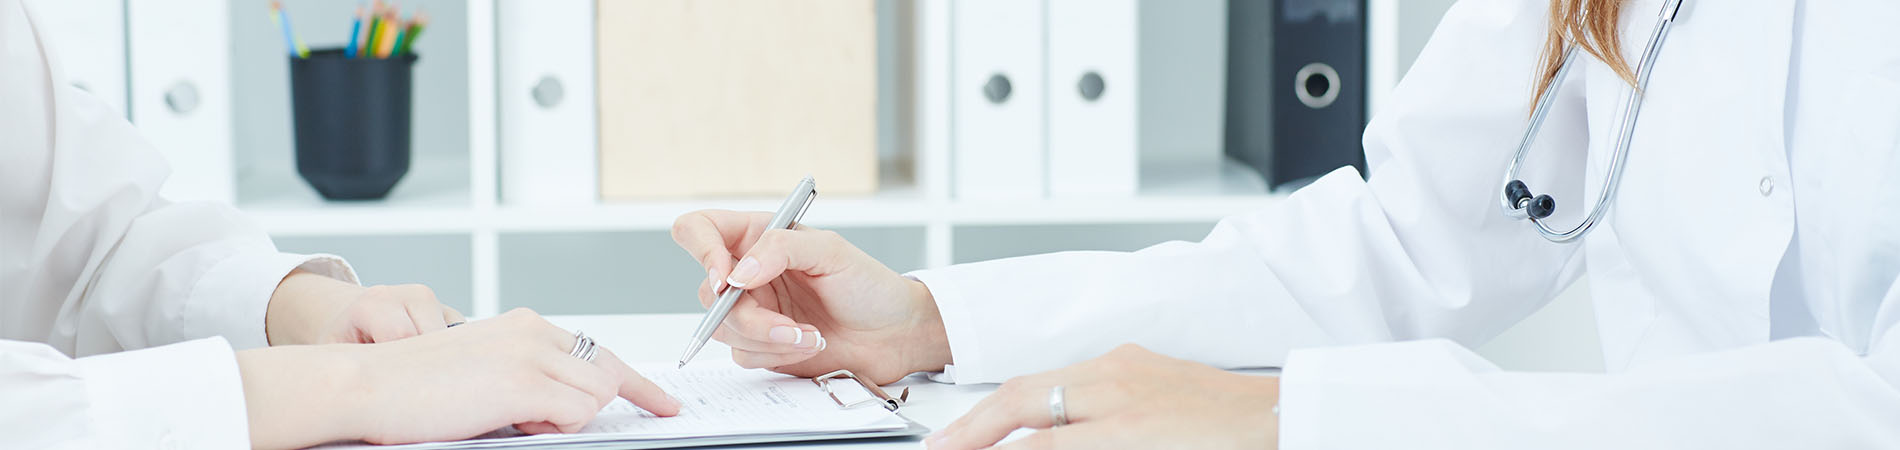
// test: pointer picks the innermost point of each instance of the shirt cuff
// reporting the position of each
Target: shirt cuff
(185, 395)
(1297, 430)
(231, 299)
(965, 352)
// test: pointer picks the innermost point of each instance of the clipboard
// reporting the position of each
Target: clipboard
(880, 399)
(914, 431)
(894, 425)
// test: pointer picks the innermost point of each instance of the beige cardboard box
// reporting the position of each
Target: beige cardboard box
(736, 97)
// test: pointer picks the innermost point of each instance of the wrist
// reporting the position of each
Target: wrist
(929, 343)
(297, 397)
(302, 303)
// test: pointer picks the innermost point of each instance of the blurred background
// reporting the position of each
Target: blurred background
(553, 142)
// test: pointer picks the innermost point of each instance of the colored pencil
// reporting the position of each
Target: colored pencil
(291, 42)
(356, 30)
(390, 34)
(375, 29)
(409, 35)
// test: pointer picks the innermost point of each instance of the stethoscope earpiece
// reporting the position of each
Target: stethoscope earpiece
(1519, 196)
(1541, 207)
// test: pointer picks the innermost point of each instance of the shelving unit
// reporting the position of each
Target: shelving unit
(1188, 201)
(446, 226)
(619, 257)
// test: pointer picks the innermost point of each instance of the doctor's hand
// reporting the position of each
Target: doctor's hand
(513, 369)
(1129, 398)
(308, 308)
(813, 303)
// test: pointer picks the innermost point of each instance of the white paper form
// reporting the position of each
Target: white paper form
(717, 401)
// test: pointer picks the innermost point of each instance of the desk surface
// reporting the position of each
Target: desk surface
(660, 337)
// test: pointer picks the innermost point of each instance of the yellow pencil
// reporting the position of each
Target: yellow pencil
(390, 33)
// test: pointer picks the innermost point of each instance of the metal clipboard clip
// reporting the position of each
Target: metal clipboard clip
(888, 403)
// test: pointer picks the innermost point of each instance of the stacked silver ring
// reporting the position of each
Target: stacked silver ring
(1058, 412)
(584, 347)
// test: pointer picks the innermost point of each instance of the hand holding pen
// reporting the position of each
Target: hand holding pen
(811, 302)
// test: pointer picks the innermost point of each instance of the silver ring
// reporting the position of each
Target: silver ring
(1057, 411)
(584, 347)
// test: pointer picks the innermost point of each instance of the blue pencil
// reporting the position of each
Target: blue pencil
(297, 50)
(356, 26)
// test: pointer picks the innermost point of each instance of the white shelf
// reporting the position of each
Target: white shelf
(437, 204)
(432, 199)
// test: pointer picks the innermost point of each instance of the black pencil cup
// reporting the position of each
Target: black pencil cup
(351, 117)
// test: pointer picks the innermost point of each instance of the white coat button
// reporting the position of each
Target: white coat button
(1767, 186)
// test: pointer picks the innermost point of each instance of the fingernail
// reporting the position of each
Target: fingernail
(747, 269)
(807, 343)
(785, 335)
(712, 281)
(677, 404)
(821, 345)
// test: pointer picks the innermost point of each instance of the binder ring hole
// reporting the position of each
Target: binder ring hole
(1091, 86)
(1316, 85)
(548, 92)
(182, 98)
(997, 89)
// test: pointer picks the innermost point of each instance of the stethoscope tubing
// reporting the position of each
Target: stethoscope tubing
(1631, 111)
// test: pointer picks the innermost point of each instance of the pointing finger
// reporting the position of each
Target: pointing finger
(636, 388)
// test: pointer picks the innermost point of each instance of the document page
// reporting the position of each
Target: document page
(718, 400)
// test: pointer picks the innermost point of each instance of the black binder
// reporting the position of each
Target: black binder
(1296, 87)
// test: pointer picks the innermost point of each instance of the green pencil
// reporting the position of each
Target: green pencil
(408, 36)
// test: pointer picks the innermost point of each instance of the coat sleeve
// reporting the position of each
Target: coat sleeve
(93, 262)
(92, 259)
(1418, 250)
(1806, 392)
(185, 395)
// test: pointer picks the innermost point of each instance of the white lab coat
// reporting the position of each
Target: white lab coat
(94, 263)
(1744, 281)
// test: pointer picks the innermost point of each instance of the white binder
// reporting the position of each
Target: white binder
(1092, 97)
(88, 41)
(181, 92)
(997, 98)
(549, 145)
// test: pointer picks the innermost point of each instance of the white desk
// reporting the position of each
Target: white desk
(660, 337)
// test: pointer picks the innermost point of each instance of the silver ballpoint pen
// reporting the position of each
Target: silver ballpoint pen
(787, 217)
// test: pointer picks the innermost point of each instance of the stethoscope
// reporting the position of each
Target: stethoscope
(1520, 203)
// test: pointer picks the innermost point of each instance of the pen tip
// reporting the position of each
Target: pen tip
(682, 365)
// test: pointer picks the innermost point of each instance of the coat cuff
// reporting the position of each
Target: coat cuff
(1326, 393)
(966, 350)
(185, 395)
(231, 299)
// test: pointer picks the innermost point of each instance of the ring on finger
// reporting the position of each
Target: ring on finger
(1058, 412)
(584, 347)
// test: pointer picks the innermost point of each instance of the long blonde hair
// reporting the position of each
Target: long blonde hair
(1590, 24)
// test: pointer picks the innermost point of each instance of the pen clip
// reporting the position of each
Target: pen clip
(889, 403)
